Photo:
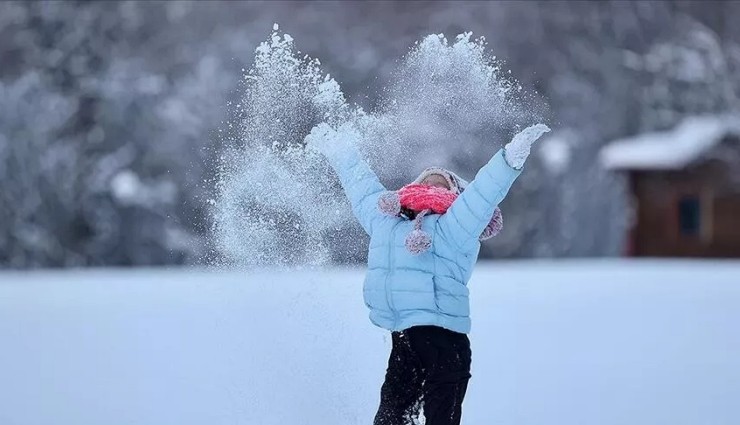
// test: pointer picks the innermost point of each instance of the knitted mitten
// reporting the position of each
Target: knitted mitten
(517, 151)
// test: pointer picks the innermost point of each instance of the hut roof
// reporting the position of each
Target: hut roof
(671, 149)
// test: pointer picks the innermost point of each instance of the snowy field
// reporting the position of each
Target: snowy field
(554, 343)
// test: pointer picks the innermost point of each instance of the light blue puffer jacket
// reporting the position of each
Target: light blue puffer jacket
(404, 290)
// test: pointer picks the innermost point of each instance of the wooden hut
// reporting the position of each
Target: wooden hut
(685, 188)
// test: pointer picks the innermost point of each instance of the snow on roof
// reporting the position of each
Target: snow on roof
(672, 149)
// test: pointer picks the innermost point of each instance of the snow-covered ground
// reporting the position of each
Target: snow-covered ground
(554, 343)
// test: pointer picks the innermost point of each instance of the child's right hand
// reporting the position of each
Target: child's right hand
(327, 141)
(320, 137)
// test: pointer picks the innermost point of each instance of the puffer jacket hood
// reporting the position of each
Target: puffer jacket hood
(456, 183)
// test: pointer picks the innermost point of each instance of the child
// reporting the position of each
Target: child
(418, 269)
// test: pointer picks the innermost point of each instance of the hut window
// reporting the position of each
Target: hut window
(689, 216)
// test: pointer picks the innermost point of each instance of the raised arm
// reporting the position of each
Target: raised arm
(464, 222)
(359, 182)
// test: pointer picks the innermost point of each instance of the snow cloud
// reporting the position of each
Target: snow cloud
(280, 204)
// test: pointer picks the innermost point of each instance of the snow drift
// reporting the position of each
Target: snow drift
(608, 343)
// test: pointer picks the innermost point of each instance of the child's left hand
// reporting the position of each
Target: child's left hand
(517, 151)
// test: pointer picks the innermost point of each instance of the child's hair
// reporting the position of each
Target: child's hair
(408, 213)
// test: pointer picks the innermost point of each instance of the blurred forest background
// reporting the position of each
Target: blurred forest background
(110, 111)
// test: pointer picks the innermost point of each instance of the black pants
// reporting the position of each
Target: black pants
(428, 367)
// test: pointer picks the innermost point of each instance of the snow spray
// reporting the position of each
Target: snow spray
(280, 204)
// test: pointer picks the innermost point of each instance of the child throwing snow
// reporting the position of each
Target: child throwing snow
(424, 242)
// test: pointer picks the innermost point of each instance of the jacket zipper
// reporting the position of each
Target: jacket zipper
(388, 297)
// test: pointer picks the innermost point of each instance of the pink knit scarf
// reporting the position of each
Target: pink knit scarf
(420, 197)
(422, 200)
